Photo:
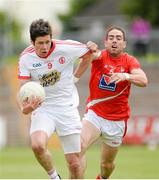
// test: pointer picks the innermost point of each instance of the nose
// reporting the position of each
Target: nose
(115, 40)
(44, 46)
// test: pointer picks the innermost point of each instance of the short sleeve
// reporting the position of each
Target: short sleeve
(133, 63)
(23, 71)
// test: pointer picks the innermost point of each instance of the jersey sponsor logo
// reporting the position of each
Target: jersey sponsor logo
(50, 78)
(37, 65)
(62, 60)
(105, 83)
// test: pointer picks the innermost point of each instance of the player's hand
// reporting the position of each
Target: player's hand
(117, 77)
(93, 47)
(30, 105)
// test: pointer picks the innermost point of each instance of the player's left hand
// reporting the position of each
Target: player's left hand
(117, 77)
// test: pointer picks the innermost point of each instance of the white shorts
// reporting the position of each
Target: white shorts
(64, 121)
(112, 132)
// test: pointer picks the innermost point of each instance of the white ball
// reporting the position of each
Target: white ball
(29, 90)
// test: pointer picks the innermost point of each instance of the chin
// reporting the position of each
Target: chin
(114, 54)
(43, 55)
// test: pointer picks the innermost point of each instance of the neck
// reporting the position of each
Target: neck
(114, 55)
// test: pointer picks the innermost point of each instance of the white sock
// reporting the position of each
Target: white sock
(53, 174)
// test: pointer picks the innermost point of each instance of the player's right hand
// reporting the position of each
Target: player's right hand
(30, 105)
(93, 47)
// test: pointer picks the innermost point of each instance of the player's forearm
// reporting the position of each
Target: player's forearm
(87, 59)
(81, 68)
(138, 78)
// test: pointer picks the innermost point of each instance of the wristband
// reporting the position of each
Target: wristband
(75, 79)
(127, 76)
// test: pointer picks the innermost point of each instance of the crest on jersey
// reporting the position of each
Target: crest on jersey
(62, 60)
(105, 83)
(49, 65)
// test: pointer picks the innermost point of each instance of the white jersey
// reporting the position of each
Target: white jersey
(55, 72)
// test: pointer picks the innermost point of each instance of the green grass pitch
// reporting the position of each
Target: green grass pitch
(132, 162)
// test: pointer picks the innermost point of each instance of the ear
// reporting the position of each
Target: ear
(125, 43)
(105, 43)
(32, 42)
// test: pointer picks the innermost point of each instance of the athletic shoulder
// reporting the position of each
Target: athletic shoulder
(131, 60)
(30, 49)
(26, 55)
(129, 56)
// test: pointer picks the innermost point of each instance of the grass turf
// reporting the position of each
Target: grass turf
(132, 162)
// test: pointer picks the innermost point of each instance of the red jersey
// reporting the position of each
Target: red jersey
(110, 100)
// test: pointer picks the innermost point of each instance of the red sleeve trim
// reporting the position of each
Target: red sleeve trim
(24, 77)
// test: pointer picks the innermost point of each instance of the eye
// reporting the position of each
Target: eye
(119, 38)
(111, 37)
(40, 43)
(48, 42)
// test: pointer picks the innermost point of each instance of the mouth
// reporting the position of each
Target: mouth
(114, 47)
(44, 52)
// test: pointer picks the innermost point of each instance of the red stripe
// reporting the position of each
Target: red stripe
(29, 49)
(125, 129)
(24, 77)
(23, 53)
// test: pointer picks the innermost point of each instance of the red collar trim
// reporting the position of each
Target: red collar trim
(50, 51)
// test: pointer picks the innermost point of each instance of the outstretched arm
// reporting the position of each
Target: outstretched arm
(136, 77)
(86, 60)
(81, 68)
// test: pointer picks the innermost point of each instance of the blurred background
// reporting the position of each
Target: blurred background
(81, 20)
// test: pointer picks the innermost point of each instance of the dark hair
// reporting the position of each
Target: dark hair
(118, 28)
(40, 28)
